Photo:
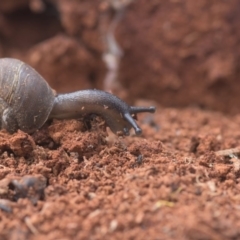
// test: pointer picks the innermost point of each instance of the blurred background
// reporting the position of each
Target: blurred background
(177, 52)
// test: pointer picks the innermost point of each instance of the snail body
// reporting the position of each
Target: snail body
(27, 102)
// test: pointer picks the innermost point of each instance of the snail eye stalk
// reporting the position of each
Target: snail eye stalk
(134, 110)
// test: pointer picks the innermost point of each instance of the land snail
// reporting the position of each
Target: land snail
(27, 102)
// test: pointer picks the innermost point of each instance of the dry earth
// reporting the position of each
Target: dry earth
(180, 179)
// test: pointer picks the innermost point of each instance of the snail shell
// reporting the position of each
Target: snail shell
(26, 99)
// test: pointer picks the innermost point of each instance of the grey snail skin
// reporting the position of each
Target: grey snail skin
(27, 102)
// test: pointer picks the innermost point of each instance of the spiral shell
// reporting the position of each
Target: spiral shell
(26, 99)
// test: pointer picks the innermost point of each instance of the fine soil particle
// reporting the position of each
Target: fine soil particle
(67, 181)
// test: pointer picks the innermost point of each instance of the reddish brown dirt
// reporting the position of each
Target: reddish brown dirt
(67, 181)
(167, 184)
(185, 53)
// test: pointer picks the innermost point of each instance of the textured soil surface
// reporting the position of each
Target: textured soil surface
(69, 182)
(180, 179)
